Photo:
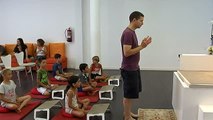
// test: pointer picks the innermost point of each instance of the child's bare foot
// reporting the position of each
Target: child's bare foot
(94, 92)
(54, 86)
(18, 111)
(89, 93)
(86, 111)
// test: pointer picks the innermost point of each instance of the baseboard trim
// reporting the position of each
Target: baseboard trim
(153, 69)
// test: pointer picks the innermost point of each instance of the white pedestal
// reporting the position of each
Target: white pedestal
(205, 112)
(114, 80)
(108, 91)
(186, 100)
(45, 108)
(98, 110)
(59, 90)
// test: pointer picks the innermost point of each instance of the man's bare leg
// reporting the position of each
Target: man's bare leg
(127, 103)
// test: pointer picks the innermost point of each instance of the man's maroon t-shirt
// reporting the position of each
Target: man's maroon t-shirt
(129, 38)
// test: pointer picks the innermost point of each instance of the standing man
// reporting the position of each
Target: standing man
(130, 70)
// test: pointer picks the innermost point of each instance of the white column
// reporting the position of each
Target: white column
(86, 31)
(94, 28)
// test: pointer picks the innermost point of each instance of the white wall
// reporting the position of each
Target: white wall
(47, 19)
(176, 26)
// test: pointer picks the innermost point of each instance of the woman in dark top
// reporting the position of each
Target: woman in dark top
(2, 52)
(21, 47)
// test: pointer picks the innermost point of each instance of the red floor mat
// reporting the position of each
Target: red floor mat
(19, 116)
(93, 99)
(100, 84)
(54, 81)
(37, 96)
(60, 116)
(97, 88)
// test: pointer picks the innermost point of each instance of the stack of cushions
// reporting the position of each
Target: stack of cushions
(55, 81)
(35, 94)
(34, 91)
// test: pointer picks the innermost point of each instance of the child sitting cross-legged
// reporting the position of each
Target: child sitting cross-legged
(73, 105)
(8, 95)
(57, 70)
(44, 87)
(87, 84)
(97, 70)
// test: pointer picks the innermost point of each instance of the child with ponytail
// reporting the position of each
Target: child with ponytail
(73, 105)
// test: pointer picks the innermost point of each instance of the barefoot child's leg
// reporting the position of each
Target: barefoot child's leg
(23, 101)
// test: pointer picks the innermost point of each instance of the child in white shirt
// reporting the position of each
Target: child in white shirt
(8, 95)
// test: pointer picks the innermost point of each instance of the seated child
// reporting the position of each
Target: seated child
(44, 87)
(57, 69)
(87, 84)
(97, 70)
(73, 105)
(8, 95)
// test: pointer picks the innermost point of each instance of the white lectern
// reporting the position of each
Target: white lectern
(193, 86)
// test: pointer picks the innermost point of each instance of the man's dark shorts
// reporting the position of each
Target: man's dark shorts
(131, 83)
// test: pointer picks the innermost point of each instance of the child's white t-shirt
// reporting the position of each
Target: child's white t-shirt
(9, 91)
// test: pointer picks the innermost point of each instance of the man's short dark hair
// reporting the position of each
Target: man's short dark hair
(136, 15)
(82, 66)
(57, 56)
